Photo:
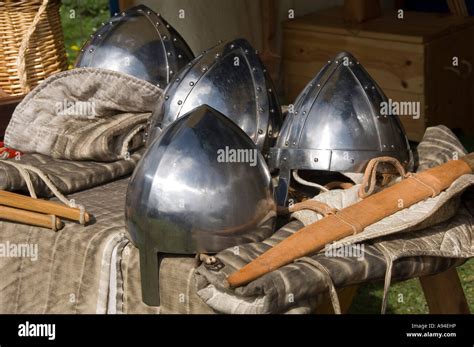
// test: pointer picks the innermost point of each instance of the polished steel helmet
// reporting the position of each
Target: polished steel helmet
(138, 42)
(231, 79)
(201, 187)
(336, 124)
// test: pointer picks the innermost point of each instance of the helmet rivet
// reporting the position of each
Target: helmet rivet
(284, 158)
(175, 39)
(264, 70)
(246, 51)
(318, 85)
(191, 83)
(167, 97)
(270, 90)
(217, 55)
(177, 80)
(315, 160)
(111, 23)
(91, 50)
(337, 62)
(259, 89)
(165, 37)
(392, 146)
(158, 24)
(220, 41)
(158, 85)
(270, 132)
(180, 102)
(99, 35)
(168, 54)
(204, 69)
(167, 25)
(261, 109)
(304, 112)
(272, 110)
(260, 131)
(122, 14)
(179, 56)
(286, 143)
(148, 12)
(294, 143)
(92, 36)
(329, 62)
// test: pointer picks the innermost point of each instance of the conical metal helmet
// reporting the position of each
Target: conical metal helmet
(230, 78)
(202, 186)
(336, 124)
(138, 42)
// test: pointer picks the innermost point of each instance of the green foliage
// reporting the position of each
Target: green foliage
(80, 18)
(407, 297)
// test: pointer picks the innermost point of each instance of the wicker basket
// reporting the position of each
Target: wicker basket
(31, 43)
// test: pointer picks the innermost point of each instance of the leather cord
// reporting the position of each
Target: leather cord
(369, 181)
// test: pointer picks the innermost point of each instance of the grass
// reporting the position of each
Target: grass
(407, 297)
(80, 19)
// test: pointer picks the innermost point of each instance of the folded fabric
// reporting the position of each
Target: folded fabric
(84, 114)
(66, 175)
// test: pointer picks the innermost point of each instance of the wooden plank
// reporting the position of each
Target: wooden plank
(126, 4)
(269, 57)
(7, 107)
(396, 67)
(346, 296)
(450, 89)
(444, 293)
(418, 27)
(414, 128)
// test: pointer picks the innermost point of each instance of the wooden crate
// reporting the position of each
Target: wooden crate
(410, 58)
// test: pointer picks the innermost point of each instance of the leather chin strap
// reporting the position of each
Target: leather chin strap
(313, 205)
(369, 181)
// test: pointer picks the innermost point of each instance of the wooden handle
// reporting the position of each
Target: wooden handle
(41, 206)
(31, 218)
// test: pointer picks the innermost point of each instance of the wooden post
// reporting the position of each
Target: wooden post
(444, 293)
(346, 295)
(269, 56)
(126, 4)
